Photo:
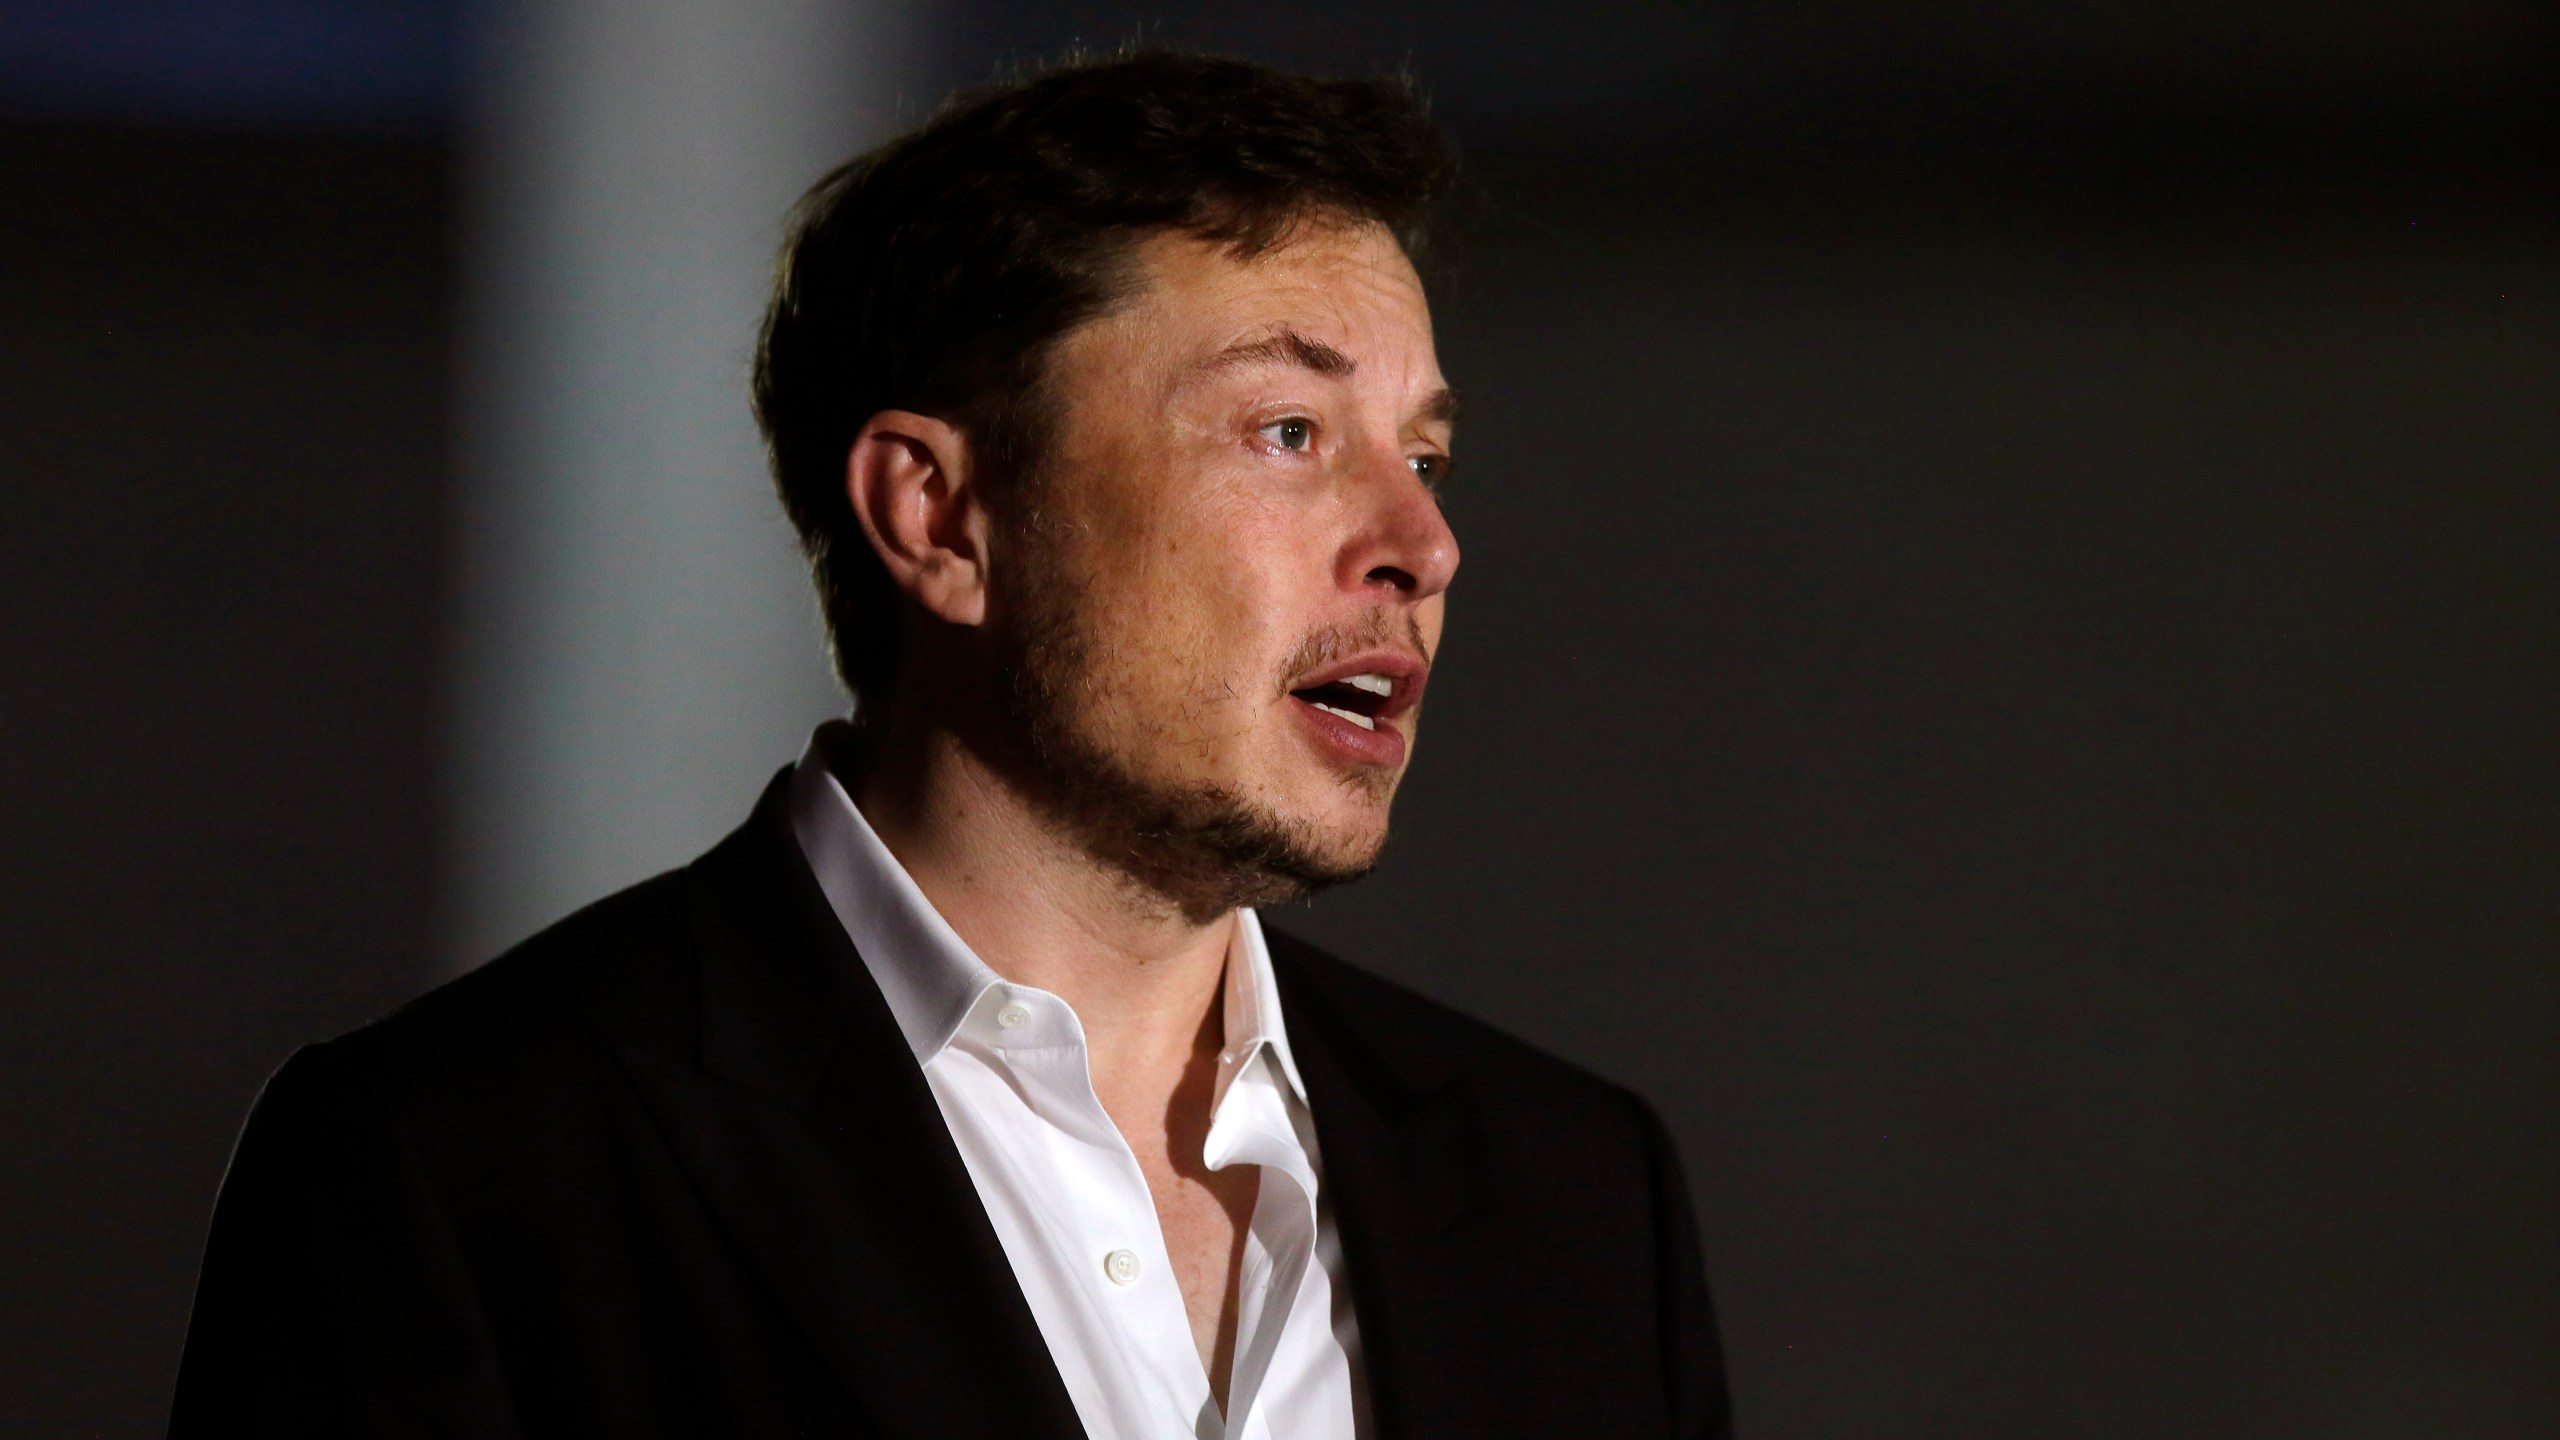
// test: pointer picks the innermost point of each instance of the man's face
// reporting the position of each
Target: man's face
(1231, 571)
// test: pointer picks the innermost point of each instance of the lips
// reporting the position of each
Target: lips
(1355, 701)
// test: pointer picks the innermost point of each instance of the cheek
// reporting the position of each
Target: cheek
(1182, 606)
(1200, 557)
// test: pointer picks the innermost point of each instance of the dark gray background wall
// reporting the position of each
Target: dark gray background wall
(2029, 731)
(2005, 674)
(222, 452)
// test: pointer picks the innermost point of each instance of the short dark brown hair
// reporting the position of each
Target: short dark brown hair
(935, 273)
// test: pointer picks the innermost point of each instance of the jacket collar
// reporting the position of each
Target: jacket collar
(811, 1135)
(804, 1120)
(1407, 1165)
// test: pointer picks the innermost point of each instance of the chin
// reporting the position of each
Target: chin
(1345, 836)
(1198, 825)
(1355, 826)
(1343, 851)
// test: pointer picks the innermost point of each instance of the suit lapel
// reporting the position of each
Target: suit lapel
(804, 1123)
(1404, 1162)
(810, 1134)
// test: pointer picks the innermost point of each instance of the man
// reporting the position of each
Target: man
(961, 1092)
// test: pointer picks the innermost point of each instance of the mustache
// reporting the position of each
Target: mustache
(1325, 646)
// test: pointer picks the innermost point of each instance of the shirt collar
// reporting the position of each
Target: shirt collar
(926, 972)
(1253, 1008)
(929, 975)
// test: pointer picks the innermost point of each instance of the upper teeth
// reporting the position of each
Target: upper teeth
(1374, 684)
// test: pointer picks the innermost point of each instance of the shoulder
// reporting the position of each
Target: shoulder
(531, 1020)
(1489, 1145)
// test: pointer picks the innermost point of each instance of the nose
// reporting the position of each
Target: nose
(1400, 543)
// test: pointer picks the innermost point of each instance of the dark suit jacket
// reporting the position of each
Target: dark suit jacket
(669, 1169)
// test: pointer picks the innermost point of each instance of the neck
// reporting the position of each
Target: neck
(1144, 979)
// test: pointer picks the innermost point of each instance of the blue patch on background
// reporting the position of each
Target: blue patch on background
(281, 62)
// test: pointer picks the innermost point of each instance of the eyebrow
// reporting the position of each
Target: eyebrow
(1288, 347)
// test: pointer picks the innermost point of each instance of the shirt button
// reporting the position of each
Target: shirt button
(1121, 1266)
(1014, 1016)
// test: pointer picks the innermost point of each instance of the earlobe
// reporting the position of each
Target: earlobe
(912, 487)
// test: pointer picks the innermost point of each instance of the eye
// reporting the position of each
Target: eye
(1295, 433)
(1433, 470)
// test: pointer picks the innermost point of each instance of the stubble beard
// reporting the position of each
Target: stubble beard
(1200, 849)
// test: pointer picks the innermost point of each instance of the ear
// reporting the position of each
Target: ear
(912, 487)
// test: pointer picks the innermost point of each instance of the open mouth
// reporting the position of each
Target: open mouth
(1356, 698)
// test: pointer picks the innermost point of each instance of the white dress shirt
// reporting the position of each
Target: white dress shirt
(1007, 1065)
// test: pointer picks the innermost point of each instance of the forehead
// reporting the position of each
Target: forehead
(1348, 285)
